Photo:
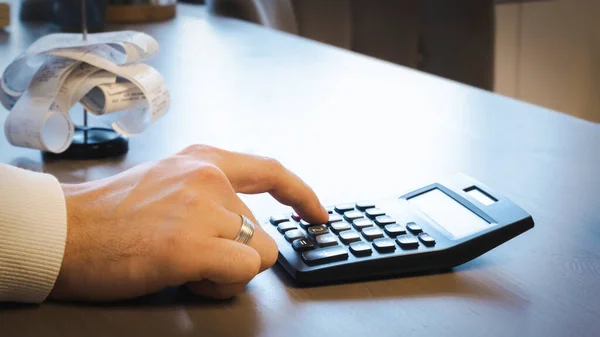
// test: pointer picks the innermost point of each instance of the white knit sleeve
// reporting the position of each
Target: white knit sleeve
(33, 231)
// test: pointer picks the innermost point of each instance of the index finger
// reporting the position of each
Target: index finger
(251, 174)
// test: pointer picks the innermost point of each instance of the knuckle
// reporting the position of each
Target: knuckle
(209, 173)
(274, 164)
(198, 149)
(168, 164)
(276, 169)
(203, 152)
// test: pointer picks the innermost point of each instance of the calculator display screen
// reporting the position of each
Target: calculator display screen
(449, 214)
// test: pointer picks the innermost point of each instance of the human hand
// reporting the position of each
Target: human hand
(172, 223)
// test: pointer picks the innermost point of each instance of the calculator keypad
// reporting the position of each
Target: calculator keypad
(317, 230)
(407, 242)
(363, 205)
(414, 228)
(277, 219)
(286, 226)
(295, 216)
(326, 240)
(338, 227)
(334, 218)
(372, 233)
(383, 220)
(341, 209)
(372, 213)
(293, 235)
(426, 239)
(360, 229)
(353, 215)
(360, 248)
(394, 230)
(325, 255)
(361, 224)
(347, 237)
(305, 224)
(302, 245)
(384, 245)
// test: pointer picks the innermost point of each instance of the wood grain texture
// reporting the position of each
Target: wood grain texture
(136, 13)
(246, 88)
(4, 15)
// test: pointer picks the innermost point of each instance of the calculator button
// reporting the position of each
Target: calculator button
(360, 249)
(304, 224)
(384, 245)
(325, 255)
(414, 228)
(326, 240)
(372, 233)
(295, 216)
(353, 215)
(286, 226)
(317, 230)
(426, 239)
(302, 245)
(334, 218)
(337, 227)
(344, 208)
(277, 219)
(407, 242)
(348, 237)
(293, 235)
(394, 230)
(361, 224)
(384, 220)
(374, 212)
(362, 206)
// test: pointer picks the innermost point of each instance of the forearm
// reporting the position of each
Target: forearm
(33, 229)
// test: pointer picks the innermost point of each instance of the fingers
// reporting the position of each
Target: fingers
(228, 222)
(231, 262)
(226, 270)
(262, 242)
(253, 174)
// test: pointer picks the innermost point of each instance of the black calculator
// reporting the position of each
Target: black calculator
(433, 228)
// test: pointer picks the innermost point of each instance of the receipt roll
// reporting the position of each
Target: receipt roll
(105, 75)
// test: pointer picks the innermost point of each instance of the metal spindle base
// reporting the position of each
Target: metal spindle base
(101, 143)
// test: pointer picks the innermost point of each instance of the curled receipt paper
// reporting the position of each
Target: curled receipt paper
(105, 74)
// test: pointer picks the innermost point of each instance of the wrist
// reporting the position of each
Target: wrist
(62, 284)
(72, 204)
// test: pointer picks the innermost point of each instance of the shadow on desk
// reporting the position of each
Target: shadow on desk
(465, 281)
(171, 297)
(269, 300)
(173, 312)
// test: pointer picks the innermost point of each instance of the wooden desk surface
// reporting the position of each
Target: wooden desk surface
(354, 127)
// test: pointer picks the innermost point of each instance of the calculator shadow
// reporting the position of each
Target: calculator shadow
(466, 281)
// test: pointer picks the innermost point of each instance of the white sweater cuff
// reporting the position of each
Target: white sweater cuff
(33, 232)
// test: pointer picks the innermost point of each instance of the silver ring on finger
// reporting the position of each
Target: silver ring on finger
(246, 231)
